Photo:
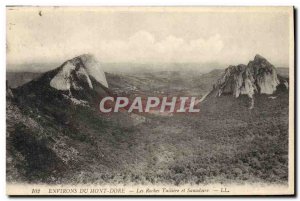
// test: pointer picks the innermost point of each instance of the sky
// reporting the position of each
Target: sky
(148, 35)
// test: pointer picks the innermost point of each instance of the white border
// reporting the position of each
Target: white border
(153, 2)
(296, 3)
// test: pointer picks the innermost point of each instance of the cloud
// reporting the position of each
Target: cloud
(141, 47)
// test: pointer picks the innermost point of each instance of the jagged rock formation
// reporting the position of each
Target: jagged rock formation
(259, 76)
(75, 74)
(79, 81)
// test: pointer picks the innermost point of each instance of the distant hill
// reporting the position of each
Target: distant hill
(16, 79)
(189, 83)
(160, 81)
(284, 72)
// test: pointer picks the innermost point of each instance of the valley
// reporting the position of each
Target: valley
(51, 140)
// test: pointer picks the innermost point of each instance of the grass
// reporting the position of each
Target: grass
(225, 142)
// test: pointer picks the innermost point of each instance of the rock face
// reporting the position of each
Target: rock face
(75, 74)
(78, 81)
(78, 75)
(259, 76)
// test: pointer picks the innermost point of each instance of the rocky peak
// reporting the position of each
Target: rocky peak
(259, 58)
(76, 74)
(259, 76)
(79, 79)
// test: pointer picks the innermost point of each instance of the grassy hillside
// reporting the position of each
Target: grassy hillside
(52, 141)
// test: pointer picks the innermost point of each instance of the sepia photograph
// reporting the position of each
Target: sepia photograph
(150, 101)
